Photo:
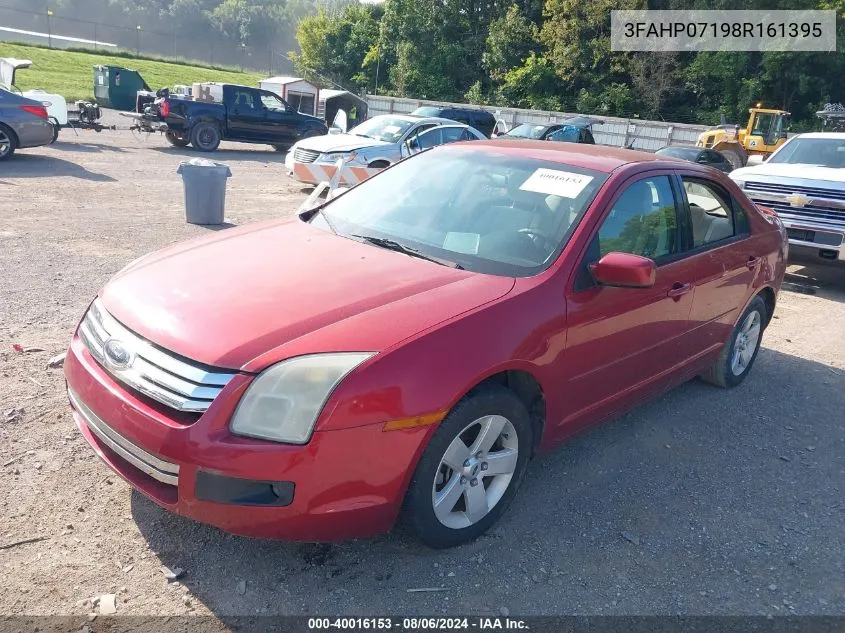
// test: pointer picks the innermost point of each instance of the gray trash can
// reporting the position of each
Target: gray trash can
(205, 190)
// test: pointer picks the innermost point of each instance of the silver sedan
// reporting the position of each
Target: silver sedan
(376, 143)
(23, 123)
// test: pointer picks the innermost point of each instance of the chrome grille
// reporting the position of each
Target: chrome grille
(810, 192)
(157, 468)
(305, 155)
(160, 375)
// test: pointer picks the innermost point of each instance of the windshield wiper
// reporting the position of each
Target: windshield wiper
(393, 245)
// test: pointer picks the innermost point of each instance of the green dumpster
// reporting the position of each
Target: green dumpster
(116, 87)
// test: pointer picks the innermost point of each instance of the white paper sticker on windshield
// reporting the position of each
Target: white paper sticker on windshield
(565, 184)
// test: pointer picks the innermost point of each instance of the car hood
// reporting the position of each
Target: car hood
(248, 297)
(768, 171)
(338, 143)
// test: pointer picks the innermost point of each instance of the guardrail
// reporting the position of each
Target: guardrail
(614, 131)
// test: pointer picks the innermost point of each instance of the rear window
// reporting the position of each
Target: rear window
(427, 111)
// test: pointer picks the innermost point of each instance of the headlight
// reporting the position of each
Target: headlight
(333, 157)
(282, 404)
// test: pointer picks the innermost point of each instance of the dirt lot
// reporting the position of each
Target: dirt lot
(703, 502)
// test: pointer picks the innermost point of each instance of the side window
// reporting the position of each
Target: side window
(466, 135)
(272, 102)
(428, 139)
(710, 212)
(244, 99)
(643, 221)
(452, 134)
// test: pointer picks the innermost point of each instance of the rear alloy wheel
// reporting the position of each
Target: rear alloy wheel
(471, 468)
(739, 353)
(205, 137)
(7, 143)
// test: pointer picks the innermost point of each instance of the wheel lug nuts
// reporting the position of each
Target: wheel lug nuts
(473, 482)
(463, 481)
(484, 466)
(466, 464)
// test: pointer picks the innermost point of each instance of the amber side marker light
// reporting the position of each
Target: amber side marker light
(412, 423)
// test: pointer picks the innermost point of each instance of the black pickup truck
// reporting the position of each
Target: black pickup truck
(240, 113)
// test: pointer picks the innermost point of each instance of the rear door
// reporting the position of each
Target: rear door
(723, 255)
(624, 343)
(245, 113)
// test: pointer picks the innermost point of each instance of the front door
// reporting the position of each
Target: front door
(623, 343)
(280, 121)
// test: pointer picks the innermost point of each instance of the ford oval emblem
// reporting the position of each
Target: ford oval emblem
(117, 355)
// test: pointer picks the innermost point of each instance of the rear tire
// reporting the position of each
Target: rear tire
(8, 142)
(739, 352)
(55, 133)
(281, 148)
(205, 137)
(450, 499)
(177, 140)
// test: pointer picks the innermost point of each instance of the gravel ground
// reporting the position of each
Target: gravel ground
(702, 502)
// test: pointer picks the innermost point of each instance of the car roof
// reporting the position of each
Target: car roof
(596, 157)
(416, 118)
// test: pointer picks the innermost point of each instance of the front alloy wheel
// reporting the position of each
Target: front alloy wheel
(475, 472)
(471, 469)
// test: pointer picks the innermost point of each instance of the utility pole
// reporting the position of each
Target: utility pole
(95, 36)
(137, 40)
(49, 31)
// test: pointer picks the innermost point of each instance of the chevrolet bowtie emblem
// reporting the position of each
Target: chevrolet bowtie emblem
(798, 200)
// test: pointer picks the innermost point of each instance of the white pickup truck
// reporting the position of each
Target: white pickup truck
(804, 182)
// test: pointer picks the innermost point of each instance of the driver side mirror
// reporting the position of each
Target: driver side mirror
(624, 270)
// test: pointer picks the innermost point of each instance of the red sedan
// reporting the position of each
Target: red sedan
(407, 347)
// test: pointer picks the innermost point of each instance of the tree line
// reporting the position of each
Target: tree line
(555, 55)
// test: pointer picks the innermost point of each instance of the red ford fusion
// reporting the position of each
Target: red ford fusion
(405, 348)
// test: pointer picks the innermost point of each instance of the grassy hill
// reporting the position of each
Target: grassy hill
(69, 73)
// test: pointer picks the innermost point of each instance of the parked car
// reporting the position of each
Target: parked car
(376, 143)
(804, 182)
(23, 123)
(709, 157)
(56, 104)
(531, 131)
(575, 130)
(481, 120)
(407, 346)
(228, 112)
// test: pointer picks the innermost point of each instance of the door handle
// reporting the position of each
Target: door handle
(752, 262)
(678, 290)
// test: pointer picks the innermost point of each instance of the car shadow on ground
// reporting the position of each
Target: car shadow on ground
(686, 504)
(71, 144)
(808, 275)
(26, 165)
(223, 155)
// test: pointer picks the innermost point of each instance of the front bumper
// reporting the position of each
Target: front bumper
(830, 241)
(343, 484)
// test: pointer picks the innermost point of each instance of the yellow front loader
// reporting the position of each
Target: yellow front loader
(763, 134)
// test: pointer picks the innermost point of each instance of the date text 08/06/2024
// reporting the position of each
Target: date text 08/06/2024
(417, 624)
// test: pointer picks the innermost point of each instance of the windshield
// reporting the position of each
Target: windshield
(383, 128)
(527, 130)
(687, 153)
(486, 212)
(824, 152)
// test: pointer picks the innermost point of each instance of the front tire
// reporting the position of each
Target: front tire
(177, 140)
(8, 142)
(205, 137)
(471, 469)
(738, 354)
